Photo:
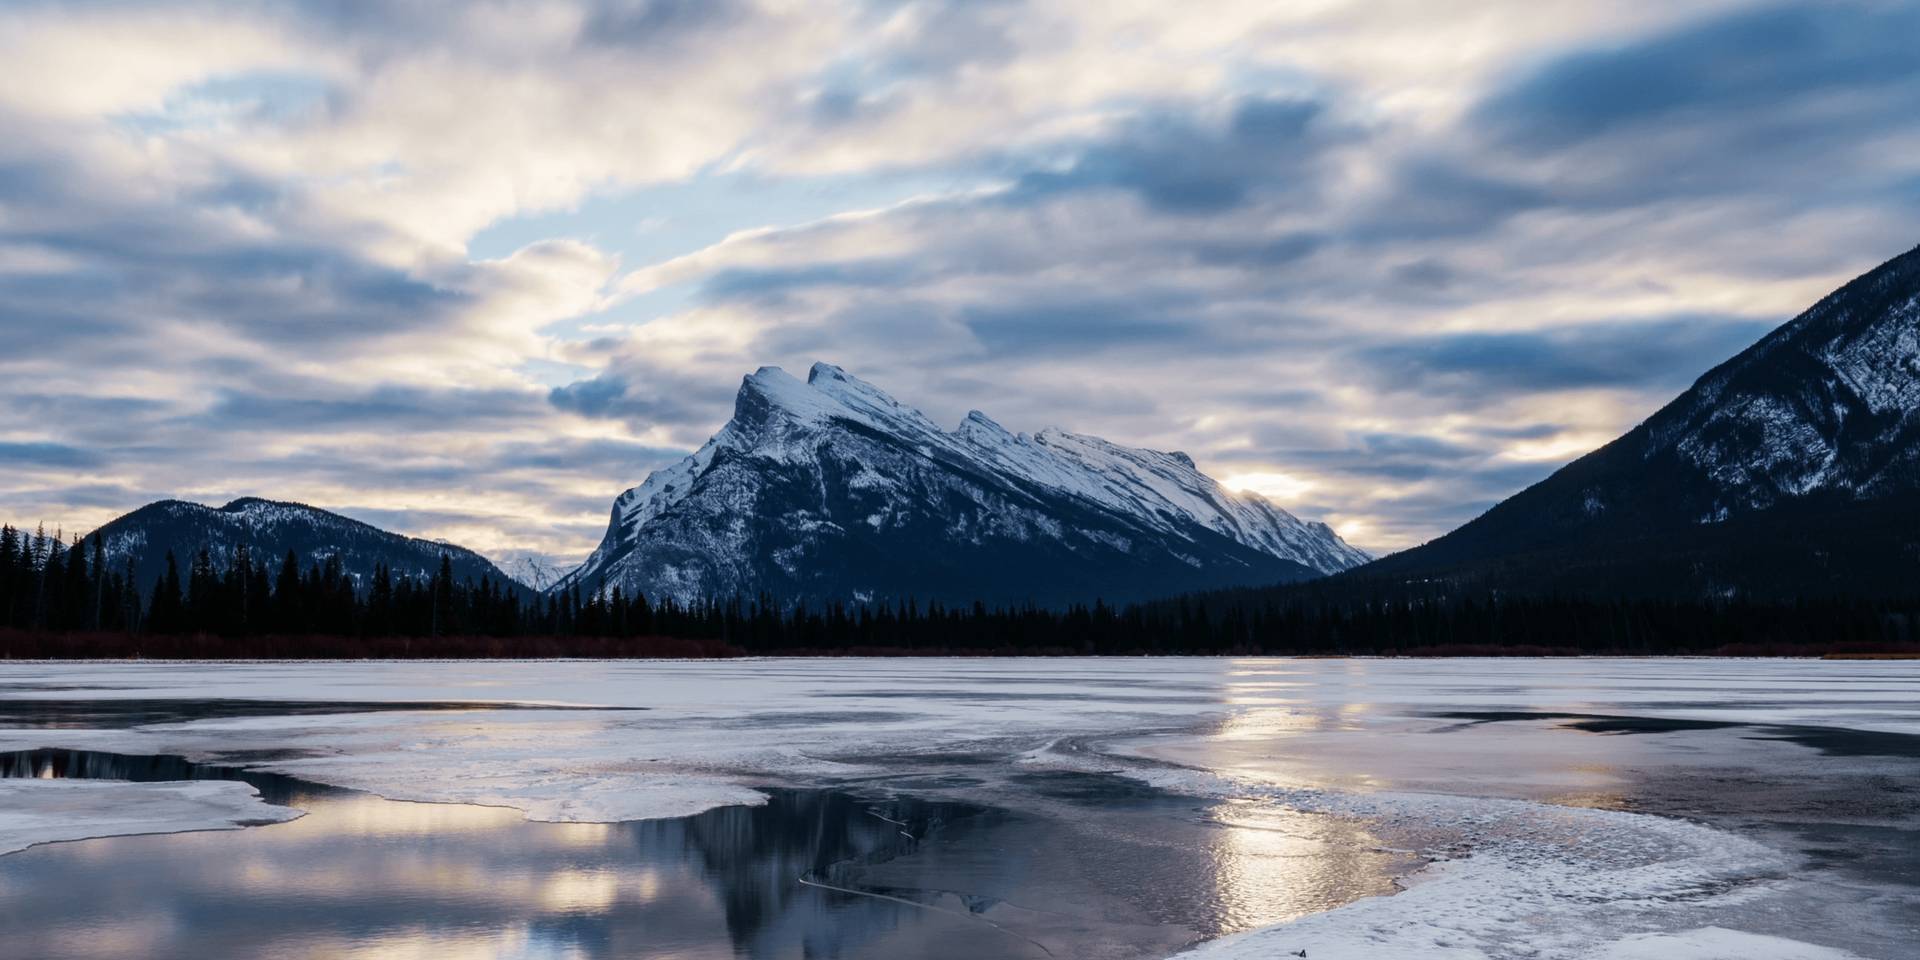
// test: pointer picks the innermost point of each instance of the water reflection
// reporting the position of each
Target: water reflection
(1276, 864)
(1107, 868)
(365, 876)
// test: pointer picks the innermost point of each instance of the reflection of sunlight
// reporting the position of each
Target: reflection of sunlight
(1254, 692)
(647, 885)
(1264, 667)
(1277, 723)
(1604, 795)
(585, 836)
(580, 890)
(1273, 715)
(1275, 865)
(370, 816)
(1264, 724)
(428, 944)
(517, 728)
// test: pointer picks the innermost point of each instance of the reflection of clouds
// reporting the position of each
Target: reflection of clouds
(362, 876)
(455, 857)
(573, 891)
(114, 938)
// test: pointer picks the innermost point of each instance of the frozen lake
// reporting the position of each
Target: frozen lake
(962, 808)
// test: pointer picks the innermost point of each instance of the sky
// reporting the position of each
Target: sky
(468, 270)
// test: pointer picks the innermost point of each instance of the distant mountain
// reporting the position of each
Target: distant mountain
(831, 489)
(1793, 468)
(532, 569)
(270, 529)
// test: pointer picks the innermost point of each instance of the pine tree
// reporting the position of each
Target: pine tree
(98, 615)
(288, 616)
(238, 615)
(166, 615)
(53, 568)
(10, 577)
(380, 620)
(443, 597)
(75, 594)
(130, 608)
(202, 600)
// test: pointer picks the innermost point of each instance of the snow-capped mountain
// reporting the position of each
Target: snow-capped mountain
(1829, 402)
(831, 489)
(533, 569)
(269, 529)
(1794, 466)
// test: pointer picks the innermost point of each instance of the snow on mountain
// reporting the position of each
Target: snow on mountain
(535, 570)
(270, 529)
(1830, 401)
(1168, 487)
(831, 488)
(1791, 469)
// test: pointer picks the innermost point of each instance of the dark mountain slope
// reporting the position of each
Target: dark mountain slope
(1791, 469)
(270, 529)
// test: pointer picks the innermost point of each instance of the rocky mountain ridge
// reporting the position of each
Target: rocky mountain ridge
(832, 489)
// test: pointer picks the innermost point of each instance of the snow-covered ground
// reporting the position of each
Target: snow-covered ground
(1535, 830)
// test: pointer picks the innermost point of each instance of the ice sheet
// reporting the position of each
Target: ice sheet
(46, 811)
(1339, 737)
(1714, 943)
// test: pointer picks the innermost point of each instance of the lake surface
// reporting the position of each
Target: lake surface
(809, 873)
(960, 809)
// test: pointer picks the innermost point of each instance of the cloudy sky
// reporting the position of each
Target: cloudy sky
(467, 270)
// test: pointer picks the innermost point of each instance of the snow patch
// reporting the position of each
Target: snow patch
(48, 811)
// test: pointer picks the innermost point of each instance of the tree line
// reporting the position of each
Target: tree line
(69, 599)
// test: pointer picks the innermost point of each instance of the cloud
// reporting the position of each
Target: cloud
(1080, 326)
(47, 454)
(1749, 64)
(613, 396)
(1804, 104)
(773, 284)
(1665, 354)
(1178, 165)
(1410, 254)
(656, 25)
(388, 407)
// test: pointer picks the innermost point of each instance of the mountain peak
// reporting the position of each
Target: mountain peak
(828, 391)
(980, 427)
(832, 489)
(859, 395)
(769, 379)
(827, 371)
(771, 389)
